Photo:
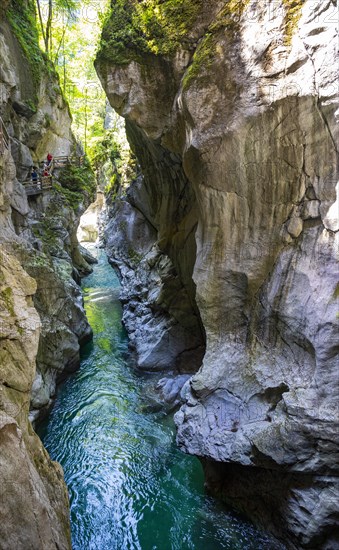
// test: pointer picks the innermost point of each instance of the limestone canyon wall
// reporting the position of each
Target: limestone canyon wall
(235, 130)
(42, 320)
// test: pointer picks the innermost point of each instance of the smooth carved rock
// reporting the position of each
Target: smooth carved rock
(164, 333)
(251, 125)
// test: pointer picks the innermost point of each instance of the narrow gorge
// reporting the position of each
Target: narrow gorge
(220, 216)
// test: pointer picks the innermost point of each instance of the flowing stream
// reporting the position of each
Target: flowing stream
(130, 487)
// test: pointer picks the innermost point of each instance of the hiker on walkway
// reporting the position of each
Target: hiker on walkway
(34, 175)
(46, 171)
(49, 160)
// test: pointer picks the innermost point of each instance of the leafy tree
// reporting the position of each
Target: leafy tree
(69, 33)
(65, 7)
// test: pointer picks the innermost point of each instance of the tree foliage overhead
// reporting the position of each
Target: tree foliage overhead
(47, 11)
(68, 32)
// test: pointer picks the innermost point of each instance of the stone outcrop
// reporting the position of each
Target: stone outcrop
(91, 221)
(34, 500)
(236, 135)
(163, 329)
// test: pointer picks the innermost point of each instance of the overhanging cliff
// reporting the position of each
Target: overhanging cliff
(233, 123)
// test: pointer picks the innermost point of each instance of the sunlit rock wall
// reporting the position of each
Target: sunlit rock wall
(33, 496)
(245, 114)
(42, 319)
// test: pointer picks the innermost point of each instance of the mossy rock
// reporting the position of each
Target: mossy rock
(228, 20)
(22, 19)
(293, 10)
(76, 184)
(6, 296)
(158, 27)
(134, 256)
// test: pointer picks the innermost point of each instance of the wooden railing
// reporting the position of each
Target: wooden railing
(43, 183)
(4, 137)
(64, 160)
(39, 186)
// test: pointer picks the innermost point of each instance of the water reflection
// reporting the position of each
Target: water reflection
(130, 487)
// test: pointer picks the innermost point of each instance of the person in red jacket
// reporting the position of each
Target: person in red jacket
(49, 159)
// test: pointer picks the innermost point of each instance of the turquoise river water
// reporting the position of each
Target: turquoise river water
(130, 487)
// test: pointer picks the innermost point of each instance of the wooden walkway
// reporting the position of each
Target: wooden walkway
(45, 183)
(42, 183)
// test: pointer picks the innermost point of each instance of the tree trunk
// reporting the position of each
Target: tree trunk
(49, 27)
(41, 23)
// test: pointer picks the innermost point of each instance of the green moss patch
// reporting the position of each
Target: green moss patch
(134, 256)
(202, 59)
(228, 20)
(133, 28)
(75, 182)
(21, 16)
(293, 9)
(6, 295)
(72, 198)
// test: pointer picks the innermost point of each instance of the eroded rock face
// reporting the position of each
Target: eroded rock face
(34, 500)
(248, 123)
(163, 330)
(44, 227)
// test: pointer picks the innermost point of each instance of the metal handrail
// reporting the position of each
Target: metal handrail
(4, 137)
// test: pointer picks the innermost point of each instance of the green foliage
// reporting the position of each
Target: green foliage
(112, 187)
(73, 49)
(133, 29)
(73, 198)
(112, 154)
(107, 148)
(76, 181)
(21, 16)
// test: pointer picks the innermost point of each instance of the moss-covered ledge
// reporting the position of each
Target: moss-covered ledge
(134, 29)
